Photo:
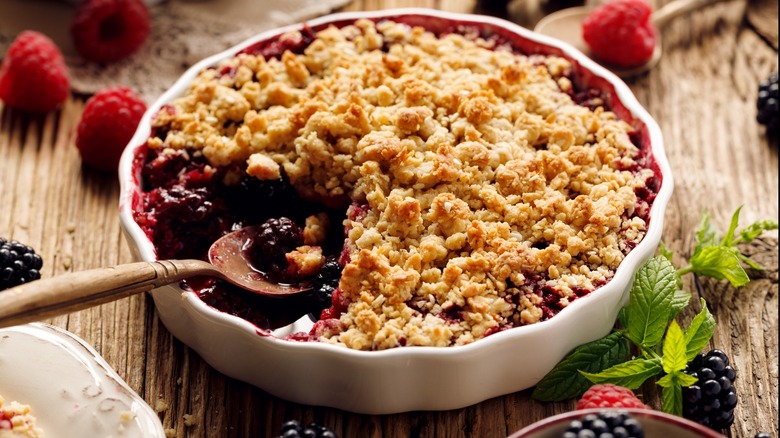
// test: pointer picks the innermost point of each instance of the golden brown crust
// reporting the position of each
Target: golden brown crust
(475, 168)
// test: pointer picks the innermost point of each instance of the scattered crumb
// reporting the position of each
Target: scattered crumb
(170, 433)
(160, 406)
(126, 416)
(178, 381)
(70, 227)
(189, 420)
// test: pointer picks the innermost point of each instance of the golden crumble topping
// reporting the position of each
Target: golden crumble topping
(475, 179)
(17, 422)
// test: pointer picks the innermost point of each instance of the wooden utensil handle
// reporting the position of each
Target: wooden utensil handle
(74, 291)
(674, 9)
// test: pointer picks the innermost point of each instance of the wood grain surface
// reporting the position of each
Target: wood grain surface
(702, 94)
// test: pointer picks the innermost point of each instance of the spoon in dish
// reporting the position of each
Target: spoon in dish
(566, 25)
(74, 291)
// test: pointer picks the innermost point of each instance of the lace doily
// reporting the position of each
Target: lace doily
(183, 33)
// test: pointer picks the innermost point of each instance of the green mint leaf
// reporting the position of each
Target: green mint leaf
(720, 262)
(674, 358)
(672, 400)
(751, 263)
(686, 379)
(755, 229)
(680, 300)
(631, 374)
(672, 392)
(666, 381)
(728, 238)
(706, 234)
(623, 317)
(649, 302)
(665, 252)
(699, 333)
(565, 382)
(676, 378)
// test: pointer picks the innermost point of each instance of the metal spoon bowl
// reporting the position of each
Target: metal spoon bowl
(75, 291)
(566, 25)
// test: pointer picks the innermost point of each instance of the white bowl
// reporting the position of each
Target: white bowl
(70, 388)
(412, 378)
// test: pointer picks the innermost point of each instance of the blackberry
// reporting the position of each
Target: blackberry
(255, 200)
(763, 435)
(294, 429)
(711, 400)
(605, 424)
(176, 211)
(327, 281)
(19, 264)
(768, 104)
(325, 284)
(275, 238)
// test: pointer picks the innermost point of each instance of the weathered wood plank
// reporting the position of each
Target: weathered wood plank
(703, 96)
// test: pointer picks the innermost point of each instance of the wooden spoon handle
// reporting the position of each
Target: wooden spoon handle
(74, 291)
(674, 9)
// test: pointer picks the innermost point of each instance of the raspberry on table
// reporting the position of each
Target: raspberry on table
(106, 31)
(107, 124)
(607, 395)
(621, 32)
(605, 424)
(19, 264)
(33, 76)
(711, 400)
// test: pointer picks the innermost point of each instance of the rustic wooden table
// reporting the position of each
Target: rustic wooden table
(702, 94)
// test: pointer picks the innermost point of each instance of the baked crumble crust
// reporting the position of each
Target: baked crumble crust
(478, 176)
(17, 422)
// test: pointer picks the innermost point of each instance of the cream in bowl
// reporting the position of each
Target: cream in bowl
(439, 180)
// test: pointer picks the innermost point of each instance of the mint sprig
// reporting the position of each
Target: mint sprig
(650, 302)
(720, 258)
(565, 381)
(662, 347)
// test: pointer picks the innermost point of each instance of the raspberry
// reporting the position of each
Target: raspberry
(19, 264)
(608, 395)
(605, 424)
(621, 33)
(106, 31)
(711, 400)
(294, 429)
(768, 104)
(33, 76)
(107, 125)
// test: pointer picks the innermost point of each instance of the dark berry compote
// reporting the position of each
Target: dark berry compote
(186, 206)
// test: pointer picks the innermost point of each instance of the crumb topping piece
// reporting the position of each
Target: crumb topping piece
(479, 179)
(17, 422)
